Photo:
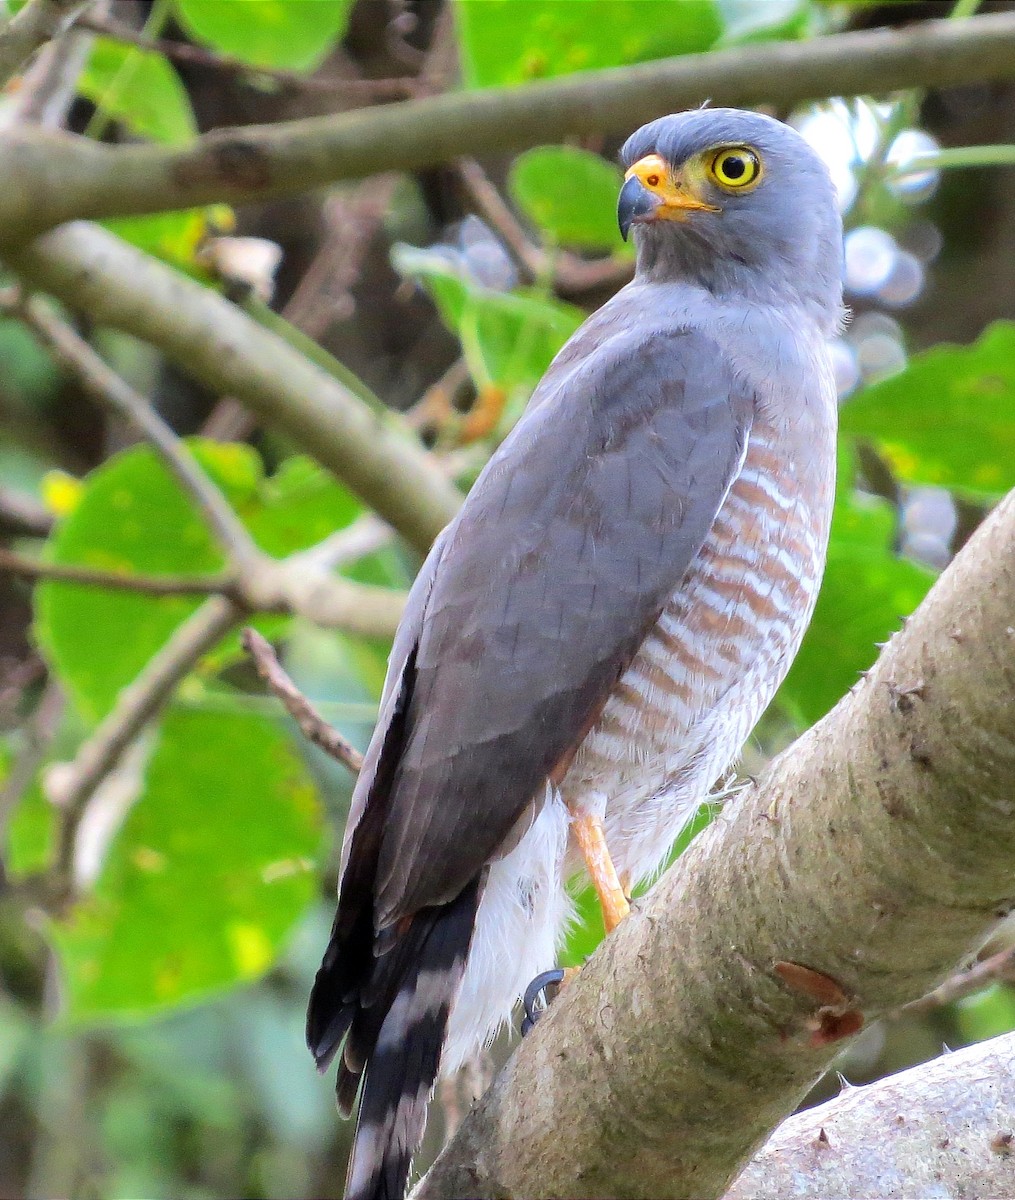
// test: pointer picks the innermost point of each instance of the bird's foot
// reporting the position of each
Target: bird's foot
(541, 991)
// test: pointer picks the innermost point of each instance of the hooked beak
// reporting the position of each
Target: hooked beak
(635, 204)
(654, 192)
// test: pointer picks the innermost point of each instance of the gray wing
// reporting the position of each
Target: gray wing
(537, 599)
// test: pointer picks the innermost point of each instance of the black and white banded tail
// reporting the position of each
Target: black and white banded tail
(393, 1020)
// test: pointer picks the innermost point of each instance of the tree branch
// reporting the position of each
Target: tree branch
(30, 28)
(48, 180)
(151, 585)
(875, 853)
(312, 725)
(942, 1129)
(215, 342)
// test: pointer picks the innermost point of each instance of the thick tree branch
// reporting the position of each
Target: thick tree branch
(30, 28)
(941, 1129)
(214, 341)
(875, 853)
(49, 180)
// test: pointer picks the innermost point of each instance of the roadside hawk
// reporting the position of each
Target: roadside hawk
(592, 639)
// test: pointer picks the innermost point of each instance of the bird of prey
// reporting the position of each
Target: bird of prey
(591, 640)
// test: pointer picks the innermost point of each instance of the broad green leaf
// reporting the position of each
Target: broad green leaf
(172, 236)
(866, 591)
(30, 834)
(133, 517)
(214, 865)
(949, 417)
(508, 338)
(570, 195)
(291, 34)
(514, 41)
(139, 88)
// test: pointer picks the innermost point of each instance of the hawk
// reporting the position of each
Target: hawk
(591, 640)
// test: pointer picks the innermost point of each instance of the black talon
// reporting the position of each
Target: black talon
(535, 990)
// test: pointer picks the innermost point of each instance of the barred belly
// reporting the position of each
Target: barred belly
(684, 708)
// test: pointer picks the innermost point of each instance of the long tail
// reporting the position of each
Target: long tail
(396, 1031)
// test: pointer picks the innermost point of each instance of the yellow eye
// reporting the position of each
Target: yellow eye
(735, 167)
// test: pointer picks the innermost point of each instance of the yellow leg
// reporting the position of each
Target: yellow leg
(591, 839)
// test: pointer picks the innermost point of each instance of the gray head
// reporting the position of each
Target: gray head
(737, 203)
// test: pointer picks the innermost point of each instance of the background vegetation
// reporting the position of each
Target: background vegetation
(168, 843)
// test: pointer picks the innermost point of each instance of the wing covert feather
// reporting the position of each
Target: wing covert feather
(570, 544)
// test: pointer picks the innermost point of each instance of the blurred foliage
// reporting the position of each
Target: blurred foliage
(949, 419)
(170, 1039)
(544, 183)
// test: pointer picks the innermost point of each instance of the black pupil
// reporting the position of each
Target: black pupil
(734, 166)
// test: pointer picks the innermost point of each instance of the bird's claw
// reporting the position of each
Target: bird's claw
(538, 989)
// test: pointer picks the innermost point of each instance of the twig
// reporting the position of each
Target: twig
(115, 393)
(570, 275)
(71, 785)
(312, 725)
(214, 341)
(399, 88)
(998, 968)
(31, 27)
(152, 585)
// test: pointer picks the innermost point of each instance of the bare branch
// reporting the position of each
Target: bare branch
(49, 182)
(942, 1129)
(115, 393)
(873, 856)
(212, 340)
(31, 27)
(312, 725)
(998, 968)
(151, 585)
(571, 276)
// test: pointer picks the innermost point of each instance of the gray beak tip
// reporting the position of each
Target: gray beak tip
(634, 204)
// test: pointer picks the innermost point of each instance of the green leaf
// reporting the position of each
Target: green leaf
(292, 34)
(508, 338)
(139, 88)
(172, 236)
(514, 41)
(866, 591)
(987, 1014)
(214, 865)
(133, 518)
(570, 195)
(948, 418)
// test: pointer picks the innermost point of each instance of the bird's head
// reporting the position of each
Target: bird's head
(735, 202)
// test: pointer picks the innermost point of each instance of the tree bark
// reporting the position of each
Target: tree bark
(945, 1128)
(49, 180)
(875, 853)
